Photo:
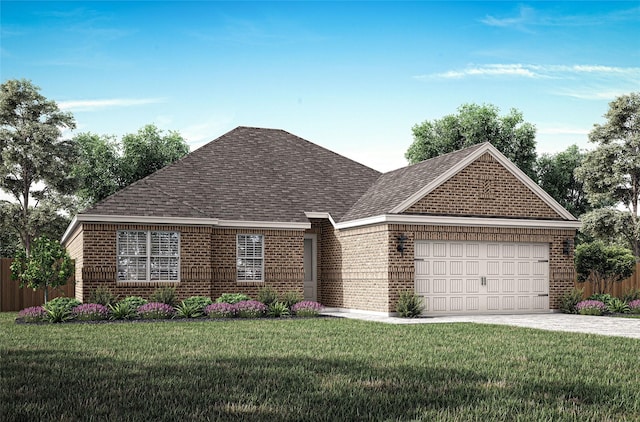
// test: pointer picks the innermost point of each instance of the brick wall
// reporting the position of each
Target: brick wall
(207, 261)
(484, 188)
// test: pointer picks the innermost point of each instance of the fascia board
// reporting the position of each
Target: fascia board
(311, 214)
(263, 224)
(460, 221)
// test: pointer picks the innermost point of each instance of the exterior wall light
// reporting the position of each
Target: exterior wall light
(401, 239)
(567, 246)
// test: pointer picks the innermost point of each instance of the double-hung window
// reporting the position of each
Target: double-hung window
(148, 256)
(250, 257)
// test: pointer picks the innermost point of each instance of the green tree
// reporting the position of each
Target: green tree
(603, 265)
(48, 265)
(106, 166)
(556, 177)
(611, 172)
(36, 162)
(474, 124)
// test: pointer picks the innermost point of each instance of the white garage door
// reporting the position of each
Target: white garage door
(482, 277)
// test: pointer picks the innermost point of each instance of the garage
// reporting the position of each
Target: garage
(482, 277)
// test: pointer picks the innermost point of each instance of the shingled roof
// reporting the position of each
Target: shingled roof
(249, 174)
(394, 187)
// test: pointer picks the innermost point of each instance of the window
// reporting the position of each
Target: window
(148, 256)
(250, 254)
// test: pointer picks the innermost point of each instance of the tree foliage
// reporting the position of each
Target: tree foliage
(36, 162)
(603, 265)
(474, 124)
(48, 265)
(611, 172)
(106, 166)
(556, 176)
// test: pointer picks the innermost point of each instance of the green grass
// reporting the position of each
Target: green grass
(313, 369)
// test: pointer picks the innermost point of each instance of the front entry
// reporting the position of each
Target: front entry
(310, 267)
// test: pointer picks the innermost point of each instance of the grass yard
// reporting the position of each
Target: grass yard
(316, 369)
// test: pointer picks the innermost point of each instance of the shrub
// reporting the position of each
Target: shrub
(591, 307)
(166, 295)
(290, 298)
(134, 302)
(156, 310)
(306, 308)
(102, 296)
(62, 303)
(58, 314)
(278, 309)
(188, 310)
(634, 306)
(409, 304)
(33, 314)
(617, 306)
(602, 297)
(232, 298)
(200, 302)
(250, 309)
(631, 295)
(90, 312)
(267, 295)
(220, 310)
(123, 310)
(569, 300)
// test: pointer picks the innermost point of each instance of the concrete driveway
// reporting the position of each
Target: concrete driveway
(606, 326)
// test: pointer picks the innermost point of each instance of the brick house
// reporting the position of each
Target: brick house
(468, 231)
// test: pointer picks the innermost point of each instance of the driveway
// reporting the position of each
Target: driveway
(606, 326)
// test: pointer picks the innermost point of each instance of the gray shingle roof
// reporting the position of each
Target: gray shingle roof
(249, 174)
(392, 188)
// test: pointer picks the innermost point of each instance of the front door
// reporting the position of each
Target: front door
(310, 267)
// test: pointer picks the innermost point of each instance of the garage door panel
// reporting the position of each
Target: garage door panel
(459, 277)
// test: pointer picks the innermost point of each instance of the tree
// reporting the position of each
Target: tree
(475, 124)
(603, 265)
(556, 176)
(611, 172)
(36, 163)
(106, 166)
(48, 265)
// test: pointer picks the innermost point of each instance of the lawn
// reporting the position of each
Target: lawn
(316, 369)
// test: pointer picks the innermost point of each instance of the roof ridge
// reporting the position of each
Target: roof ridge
(458, 151)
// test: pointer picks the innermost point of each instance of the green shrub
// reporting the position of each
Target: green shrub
(617, 306)
(232, 298)
(601, 297)
(58, 314)
(166, 295)
(267, 295)
(569, 300)
(200, 302)
(291, 297)
(189, 310)
(134, 301)
(62, 303)
(630, 295)
(278, 309)
(409, 304)
(123, 310)
(102, 296)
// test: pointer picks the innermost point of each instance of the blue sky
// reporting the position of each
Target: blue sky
(353, 77)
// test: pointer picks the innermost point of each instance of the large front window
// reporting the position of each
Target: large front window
(250, 257)
(148, 256)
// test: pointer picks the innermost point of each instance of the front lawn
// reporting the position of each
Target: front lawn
(315, 369)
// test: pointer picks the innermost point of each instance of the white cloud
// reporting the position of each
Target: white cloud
(199, 134)
(93, 105)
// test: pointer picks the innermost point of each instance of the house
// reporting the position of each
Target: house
(468, 231)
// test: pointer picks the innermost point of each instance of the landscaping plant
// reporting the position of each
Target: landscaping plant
(123, 310)
(634, 306)
(90, 312)
(220, 310)
(166, 295)
(200, 302)
(631, 295)
(134, 301)
(156, 310)
(189, 310)
(617, 306)
(603, 265)
(267, 295)
(103, 296)
(33, 314)
(277, 310)
(307, 308)
(250, 309)
(569, 300)
(291, 297)
(409, 305)
(591, 307)
(232, 298)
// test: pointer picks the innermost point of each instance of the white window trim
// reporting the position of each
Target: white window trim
(148, 256)
(261, 258)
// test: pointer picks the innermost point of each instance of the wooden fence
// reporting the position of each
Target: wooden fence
(618, 289)
(13, 298)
